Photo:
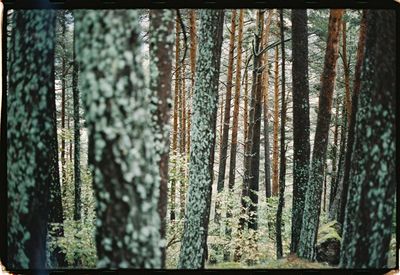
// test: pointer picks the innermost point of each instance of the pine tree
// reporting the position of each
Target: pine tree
(282, 165)
(372, 183)
(354, 102)
(227, 115)
(77, 157)
(124, 161)
(265, 92)
(193, 47)
(312, 206)
(301, 121)
(235, 118)
(30, 103)
(204, 109)
(275, 153)
(161, 45)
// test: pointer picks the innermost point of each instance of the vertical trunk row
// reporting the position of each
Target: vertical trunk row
(205, 101)
(301, 121)
(161, 28)
(312, 207)
(227, 115)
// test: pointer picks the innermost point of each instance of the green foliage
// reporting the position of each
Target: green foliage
(78, 242)
(256, 247)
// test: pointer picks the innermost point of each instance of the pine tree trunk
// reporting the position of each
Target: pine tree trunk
(372, 181)
(312, 209)
(29, 155)
(63, 99)
(125, 170)
(77, 141)
(255, 124)
(333, 189)
(235, 118)
(193, 47)
(354, 102)
(245, 187)
(193, 250)
(162, 26)
(265, 92)
(282, 166)
(301, 121)
(275, 153)
(227, 117)
(175, 124)
(182, 139)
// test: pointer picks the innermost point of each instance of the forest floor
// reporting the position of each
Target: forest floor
(289, 262)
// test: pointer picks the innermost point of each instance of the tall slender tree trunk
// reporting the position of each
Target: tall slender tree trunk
(246, 106)
(282, 166)
(175, 123)
(312, 209)
(205, 101)
(352, 122)
(372, 181)
(227, 116)
(182, 147)
(63, 99)
(333, 186)
(29, 155)
(125, 169)
(77, 135)
(301, 121)
(193, 47)
(265, 91)
(235, 118)
(235, 122)
(275, 152)
(162, 25)
(255, 124)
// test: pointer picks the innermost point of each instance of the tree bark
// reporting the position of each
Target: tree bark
(372, 181)
(193, 47)
(308, 235)
(301, 121)
(175, 123)
(77, 140)
(265, 92)
(182, 140)
(162, 27)
(354, 101)
(227, 116)
(30, 103)
(125, 170)
(205, 100)
(275, 152)
(282, 166)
